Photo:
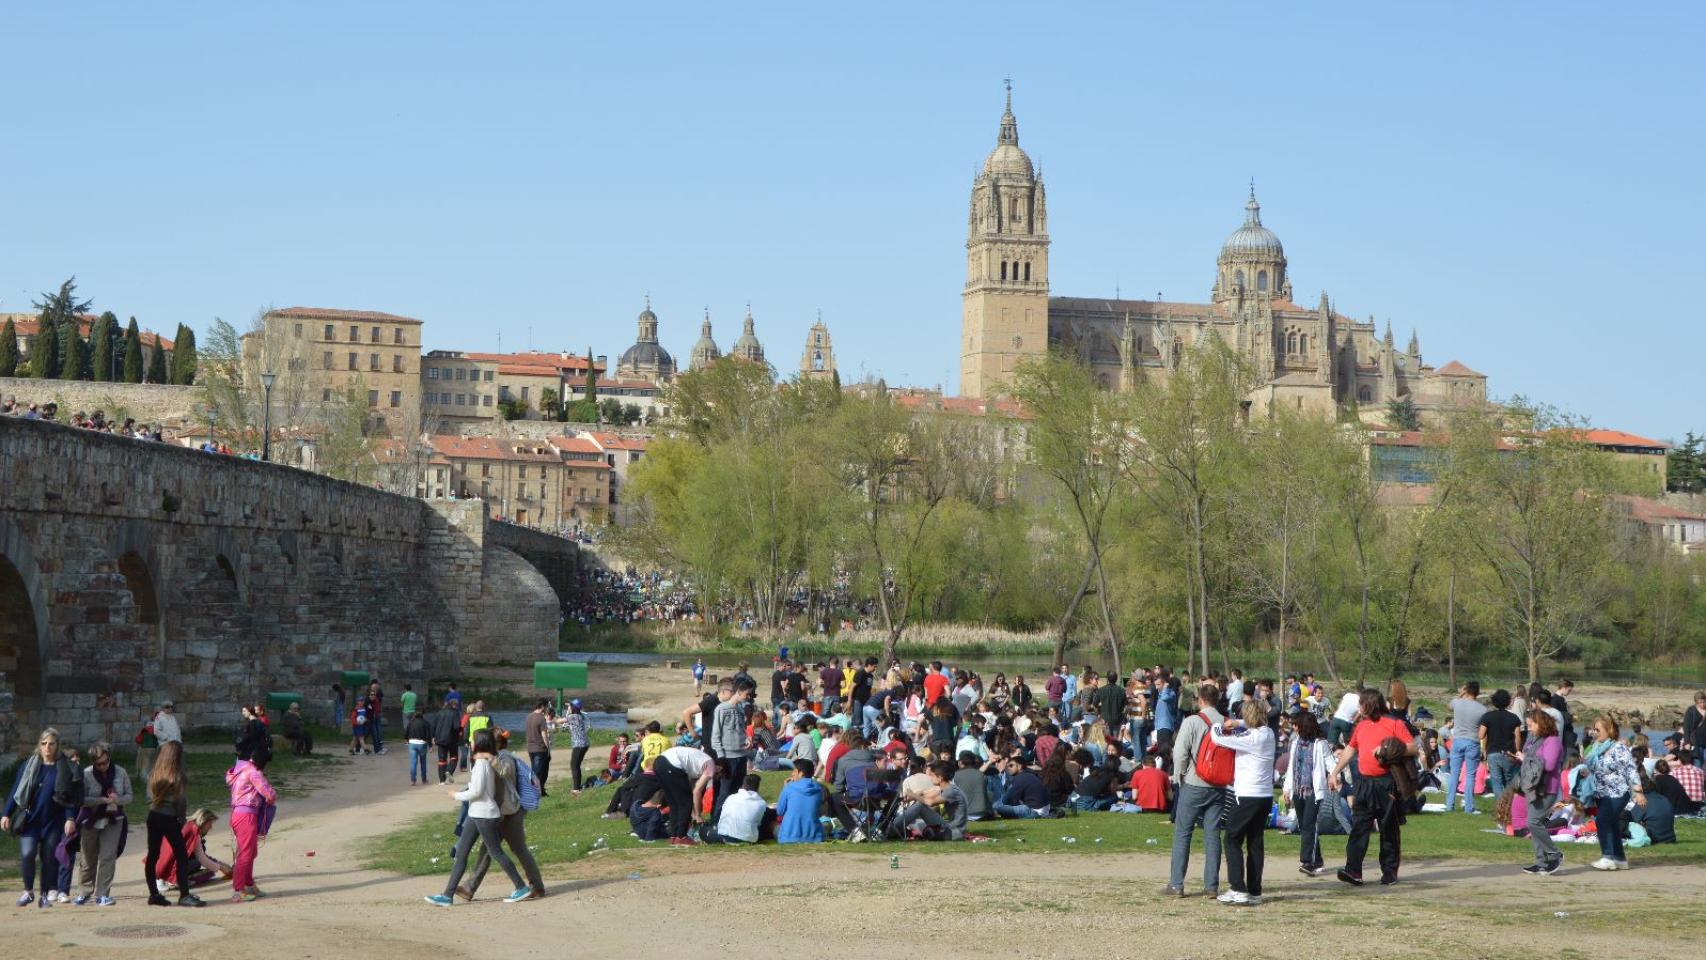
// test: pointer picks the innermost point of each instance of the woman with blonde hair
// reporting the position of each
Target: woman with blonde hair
(168, 802)
(40, 811)
(1398, 701)
(1615, 779)
(1253, 790)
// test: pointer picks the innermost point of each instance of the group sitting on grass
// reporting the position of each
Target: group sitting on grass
(926, 753)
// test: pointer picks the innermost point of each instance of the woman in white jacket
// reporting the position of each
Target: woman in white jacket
(1305, 788)
(484, 812)
(1253, 789)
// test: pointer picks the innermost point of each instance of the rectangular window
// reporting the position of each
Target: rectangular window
(524, 394)
(375, 338)
(297, 331)
(326, 360)
(461, 373)
(373, 398)
(352, 359)
(396, 398)
(432, 373)
(354, 333)
(488, 376)
(329, 334)
(326, 395)
(486, 400)
(373, 362)
(521, 472)
(397, 336)
(485, 469)
(462, 399)
(397, 363)
(444, 399)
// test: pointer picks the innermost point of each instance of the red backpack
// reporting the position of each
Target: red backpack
(1214, 762)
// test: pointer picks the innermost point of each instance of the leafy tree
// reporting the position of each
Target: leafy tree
(631, 413)
(44, 352)
(133, 365)
(74, 354)
(183, 357)
(549, 405)
(513, 409)
(591, 380)
(9, 349)
(581, 411)
(102, 341)
(157, 362)
(1401, 413)
(610, 410)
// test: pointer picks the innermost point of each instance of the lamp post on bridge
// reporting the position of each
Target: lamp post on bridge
(266, 414)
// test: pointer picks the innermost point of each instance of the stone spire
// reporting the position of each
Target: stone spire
(1415, 344)
(748, 347)
(1009, 123)
(705, 351)
(818, 359)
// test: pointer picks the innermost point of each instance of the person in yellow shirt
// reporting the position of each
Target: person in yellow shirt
(652, 745)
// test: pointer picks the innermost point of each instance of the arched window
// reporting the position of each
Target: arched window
(1003, 269)
(1015, 209)
(1261, 280)
(1238, 278)
(1291, 341)
(1027, 270)
(1303, 343)
(1364, 394)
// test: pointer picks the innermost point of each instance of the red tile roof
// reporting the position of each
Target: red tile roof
(538, 358)
(1455, 369)
(613, 441)
(491, 448)
(28, 325)
(1653, 511)
(1617, 438)
(331, 313)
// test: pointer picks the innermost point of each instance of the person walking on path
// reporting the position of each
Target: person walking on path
(1375, 804)
(538, 730)
(519, 792)
(167, 806)
(483, 798)
(1198, 799)
(1539, 778)
(1615, 779)
(1253, 791)
(40, 811)
(447, 738)
(101, 825)
(252, 803)
(1305, 788)
(1467, 711)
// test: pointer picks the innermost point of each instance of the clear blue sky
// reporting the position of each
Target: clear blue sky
(1521, 182)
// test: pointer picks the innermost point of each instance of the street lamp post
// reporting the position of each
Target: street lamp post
(266, 415)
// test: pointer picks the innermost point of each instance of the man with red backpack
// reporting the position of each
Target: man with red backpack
(1202, 771)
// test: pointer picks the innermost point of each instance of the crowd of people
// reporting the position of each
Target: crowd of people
(70, 817)
(924, 752)
(97, 421)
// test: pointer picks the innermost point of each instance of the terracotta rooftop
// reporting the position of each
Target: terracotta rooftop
(330, 313)
(492, 448)
(1455, 369)
(538, 358)
(1617, 438)
(1653, 511)
(613, 441)
(29, 324)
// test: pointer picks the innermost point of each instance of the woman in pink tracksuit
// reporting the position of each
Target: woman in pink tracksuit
(252, 800)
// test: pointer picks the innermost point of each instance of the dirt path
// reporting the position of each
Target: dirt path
(972, 905)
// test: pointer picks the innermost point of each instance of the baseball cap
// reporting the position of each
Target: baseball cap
(575, 702)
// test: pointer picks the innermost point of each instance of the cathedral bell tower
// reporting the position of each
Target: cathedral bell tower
(1005, 316)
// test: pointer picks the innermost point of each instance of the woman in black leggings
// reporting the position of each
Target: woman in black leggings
(575, 723)
(167, 805)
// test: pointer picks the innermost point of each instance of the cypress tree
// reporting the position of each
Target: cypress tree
(75, 364)
(157, 362)
(101, 347)
(132, 354)
(591, 379)
(9, 349)
(44, 352)
(183, 357)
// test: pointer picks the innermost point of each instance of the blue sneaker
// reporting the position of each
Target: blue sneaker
(520, 894)
(440, 900)
(82, 898)
(105, 901)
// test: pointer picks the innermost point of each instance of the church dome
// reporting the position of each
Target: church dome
(1007, 159)
(643, 355)
(1252, 239)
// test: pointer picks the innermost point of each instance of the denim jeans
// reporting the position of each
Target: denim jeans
(1465, 758)
(1308, 820)
(1197, 803)
(417, 761)
(36, 847)
(1608, 817)
(1502, 772)
(1013, 811)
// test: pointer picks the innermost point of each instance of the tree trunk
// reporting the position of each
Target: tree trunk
(1107, 617)
(1072, 611)
(1451, 628)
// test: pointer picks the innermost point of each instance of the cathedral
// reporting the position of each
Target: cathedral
(1308, 358)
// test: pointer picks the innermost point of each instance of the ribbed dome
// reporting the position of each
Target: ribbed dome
(1253, 239)
(1007, 159)
(647, 316)
(646, 355)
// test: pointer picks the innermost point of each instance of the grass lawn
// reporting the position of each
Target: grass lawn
(564, 829)
(291, 776)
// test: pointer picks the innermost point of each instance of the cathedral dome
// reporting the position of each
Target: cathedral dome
(1008, 159)
(646, 354)
(1252, 239)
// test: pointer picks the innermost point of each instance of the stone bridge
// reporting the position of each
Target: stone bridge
(133, 572)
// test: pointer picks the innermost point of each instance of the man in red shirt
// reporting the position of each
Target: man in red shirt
(935, 683)
(1376, 802)
(1150, 789)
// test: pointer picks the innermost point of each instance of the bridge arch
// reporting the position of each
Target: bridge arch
(23, 632)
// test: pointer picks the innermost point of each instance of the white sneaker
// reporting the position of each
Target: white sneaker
(1234, 897)
(1604, 863)
(1621, 864)
(59, 896)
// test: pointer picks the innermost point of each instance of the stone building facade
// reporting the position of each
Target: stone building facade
(1314, 358)
(457, 388)
(335, 351)
(817, 360)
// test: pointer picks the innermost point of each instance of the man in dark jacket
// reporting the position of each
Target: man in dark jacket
(446, 735)
(1110, 703)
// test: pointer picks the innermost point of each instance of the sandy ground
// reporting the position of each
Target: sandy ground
(972, 905)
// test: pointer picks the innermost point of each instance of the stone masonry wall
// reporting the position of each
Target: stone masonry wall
(133, 572)
(160, 403)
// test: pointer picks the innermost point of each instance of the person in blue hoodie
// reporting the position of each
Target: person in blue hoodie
(797, 807)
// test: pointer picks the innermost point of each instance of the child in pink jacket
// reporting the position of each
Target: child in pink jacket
(252, 801)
